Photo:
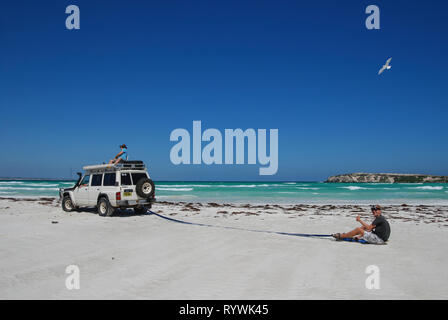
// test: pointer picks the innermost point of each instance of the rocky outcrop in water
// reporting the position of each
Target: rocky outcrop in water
(387, 178)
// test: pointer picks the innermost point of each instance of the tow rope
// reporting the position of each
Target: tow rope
(308, 235)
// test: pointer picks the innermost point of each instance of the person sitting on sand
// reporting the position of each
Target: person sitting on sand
(377, 233)
(121, 156)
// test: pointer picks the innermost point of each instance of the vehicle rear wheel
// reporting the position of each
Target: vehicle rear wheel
(140, 210)
(67, 204)
(145, 188)
(104, 207)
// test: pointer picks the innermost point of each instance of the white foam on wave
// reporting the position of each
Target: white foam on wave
(21, 189)
(264, 185)
(353, 188)
(307, 188)
(428, 188)
(183, 185)
(11, 182)
(38, 185)
(175, 189)
(177, 197)
(237, 186)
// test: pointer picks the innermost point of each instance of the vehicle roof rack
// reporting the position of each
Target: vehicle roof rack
(131, 165)
(125, 165)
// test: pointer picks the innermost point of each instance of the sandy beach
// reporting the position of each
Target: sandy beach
(131, 256)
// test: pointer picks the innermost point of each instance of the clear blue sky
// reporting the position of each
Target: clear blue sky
(136, 70)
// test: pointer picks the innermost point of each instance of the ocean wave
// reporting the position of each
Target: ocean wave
(32, 189)
(237, 186)
(175, 189)
(38, 185)
(183, 185)
(353, 188)
(428, 188)
(264, 185)
(307, 188)
(213, 185)
(11, 182)
(178, 197)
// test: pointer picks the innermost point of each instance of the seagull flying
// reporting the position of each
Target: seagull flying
(386, 66)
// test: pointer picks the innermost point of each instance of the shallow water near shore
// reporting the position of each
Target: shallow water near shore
(260, 192)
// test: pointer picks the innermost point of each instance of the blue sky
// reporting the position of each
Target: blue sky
(136, 70)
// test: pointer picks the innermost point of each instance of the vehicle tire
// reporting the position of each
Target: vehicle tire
(145, 188)
(140, 210)
(104, 207)
(67, 204)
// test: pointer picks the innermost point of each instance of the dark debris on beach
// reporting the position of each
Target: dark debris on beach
(401, 212)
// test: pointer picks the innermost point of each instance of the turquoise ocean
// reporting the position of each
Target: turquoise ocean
(260, 192)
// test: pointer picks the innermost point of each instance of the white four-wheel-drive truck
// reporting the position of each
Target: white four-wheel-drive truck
(109, 187)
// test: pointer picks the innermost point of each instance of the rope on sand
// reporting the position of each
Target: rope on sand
(308, 235)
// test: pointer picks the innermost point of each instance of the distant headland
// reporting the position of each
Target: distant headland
(361, 177)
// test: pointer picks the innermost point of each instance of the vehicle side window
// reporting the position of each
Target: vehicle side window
(96, 179)
(137, 176)
(126, 179)
(85, 181)
(109, 179)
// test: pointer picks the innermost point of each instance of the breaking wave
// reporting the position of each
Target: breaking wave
(428, 188)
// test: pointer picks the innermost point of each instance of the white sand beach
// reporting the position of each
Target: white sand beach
(147, 257)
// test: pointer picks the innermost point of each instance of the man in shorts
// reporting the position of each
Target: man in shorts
(376, 233)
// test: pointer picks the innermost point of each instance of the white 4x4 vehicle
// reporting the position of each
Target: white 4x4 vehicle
(109, 187)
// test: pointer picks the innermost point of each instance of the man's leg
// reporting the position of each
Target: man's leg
(355, 232)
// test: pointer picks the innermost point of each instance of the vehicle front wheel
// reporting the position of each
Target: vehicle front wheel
(67, 204)
(104, 208)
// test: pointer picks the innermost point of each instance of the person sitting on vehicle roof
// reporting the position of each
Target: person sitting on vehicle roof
(121, 156)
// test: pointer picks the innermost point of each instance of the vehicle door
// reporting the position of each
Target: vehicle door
(110, 186)
(127, 187)
(95, 188)
(81, 193)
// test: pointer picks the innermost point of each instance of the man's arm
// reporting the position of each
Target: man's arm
(119, 154)
(366, 226)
